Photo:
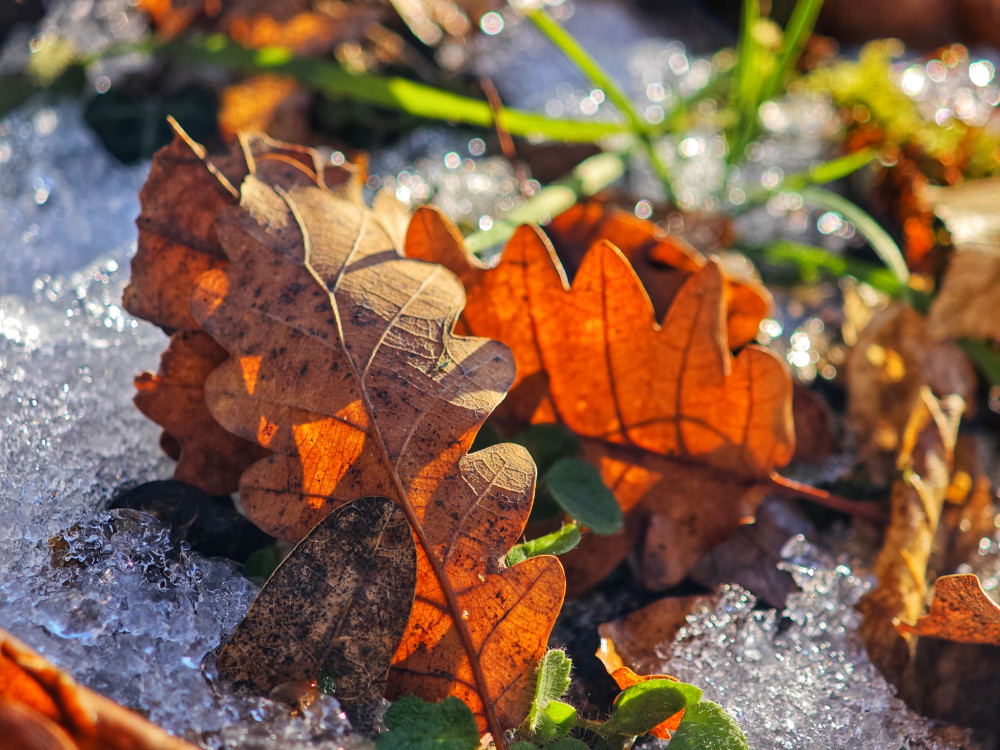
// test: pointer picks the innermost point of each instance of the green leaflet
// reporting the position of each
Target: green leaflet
(549, 717)
(708, 726)
(641, 707)
(557, 543)
(417, 725)
(579, 490)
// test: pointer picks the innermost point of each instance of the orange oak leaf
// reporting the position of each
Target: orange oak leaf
(177, 243)
(626, 678)
(343, 363)
(174, 398)
(686, 435)
(43, 708)
(661, 261)
(960, 611)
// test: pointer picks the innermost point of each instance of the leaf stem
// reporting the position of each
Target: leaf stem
(791, 488)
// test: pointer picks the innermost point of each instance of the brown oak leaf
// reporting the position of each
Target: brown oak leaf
(686, 435)
(177, 243)
(917, 500)
(343, 363)
(207, 456)
(631, 641)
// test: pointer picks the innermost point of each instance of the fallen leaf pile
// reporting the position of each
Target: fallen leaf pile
(316, 362)
(342, 363)
(686, 435)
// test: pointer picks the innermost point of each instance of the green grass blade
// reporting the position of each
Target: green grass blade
(744, 95)
(588, 177)
(828, 171)
(818, 174)
(639, 126)
(588, 66)
(883, 245)
(799, 27)
(392, 92)
(810, 262)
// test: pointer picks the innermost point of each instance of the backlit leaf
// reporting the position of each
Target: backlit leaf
(557, 543)
(684, 434)
(960, 611)
(708, 726)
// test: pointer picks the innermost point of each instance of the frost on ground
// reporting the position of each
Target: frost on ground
(63, 199)
(801, 679)
(105, 594)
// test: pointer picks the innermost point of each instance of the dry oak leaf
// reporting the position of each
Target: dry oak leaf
(177, 243)
(893, 359)
(344, 365)
(917, 500)
(966, 304)
(631, 641)
(174, 398)
(686, 435)
(960, 611)
(42, 708)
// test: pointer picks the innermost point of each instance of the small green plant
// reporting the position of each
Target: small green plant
(416, 725)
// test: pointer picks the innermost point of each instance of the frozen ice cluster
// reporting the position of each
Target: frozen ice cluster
(801, 679)
(106, 594)
(56, 180)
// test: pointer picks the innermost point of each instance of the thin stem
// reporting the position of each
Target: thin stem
(793, 40)
(589, 67)
(809, 261)
(791, 488)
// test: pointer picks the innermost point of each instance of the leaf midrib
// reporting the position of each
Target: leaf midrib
(451, 598)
